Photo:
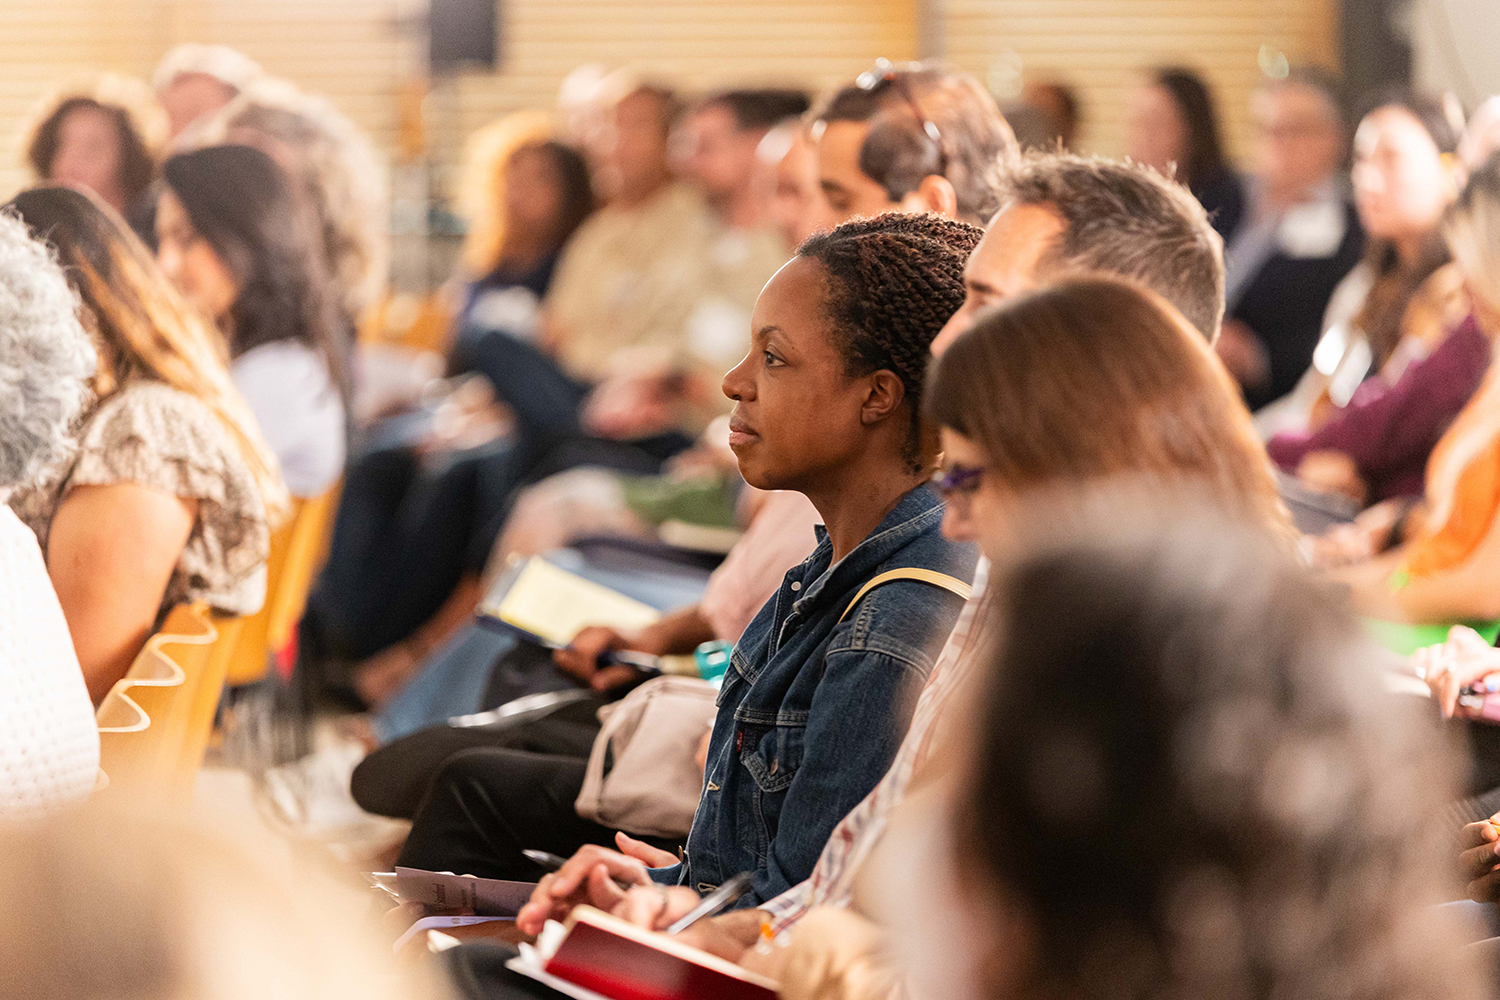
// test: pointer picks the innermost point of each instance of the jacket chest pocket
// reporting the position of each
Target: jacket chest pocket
(772, 755)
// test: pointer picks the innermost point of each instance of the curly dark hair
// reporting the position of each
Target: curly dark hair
(136, 165)
(895, 280)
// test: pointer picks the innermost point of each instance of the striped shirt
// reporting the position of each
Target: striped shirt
(832, 880)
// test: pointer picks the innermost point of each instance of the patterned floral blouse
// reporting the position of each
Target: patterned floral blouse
(153, 435)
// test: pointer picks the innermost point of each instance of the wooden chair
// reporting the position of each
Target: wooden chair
(155, 722)
(297, 551)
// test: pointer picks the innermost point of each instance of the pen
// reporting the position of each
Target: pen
(552, 862)
(715, 902)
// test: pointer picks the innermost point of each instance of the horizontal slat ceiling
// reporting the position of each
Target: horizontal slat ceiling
(1100, 46)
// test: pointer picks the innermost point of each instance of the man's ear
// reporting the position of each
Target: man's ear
(934, 194)
(886, 394)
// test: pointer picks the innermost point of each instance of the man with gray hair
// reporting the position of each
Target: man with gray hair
(194, 81)
(49, 744)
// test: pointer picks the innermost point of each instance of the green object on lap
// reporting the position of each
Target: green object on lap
(1405, 639)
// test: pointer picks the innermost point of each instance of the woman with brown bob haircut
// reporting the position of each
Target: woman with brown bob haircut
(1089, 378)
(96, 144)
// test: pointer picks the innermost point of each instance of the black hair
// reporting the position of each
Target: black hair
(760, 109)
(894, 282)
(577, 191)
(1203, 161)
(242, 203)
(136, 166)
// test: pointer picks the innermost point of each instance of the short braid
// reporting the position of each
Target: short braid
(895, 280)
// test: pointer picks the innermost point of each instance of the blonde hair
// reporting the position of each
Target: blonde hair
(1472, 231)
(99, 902)
(142, 327)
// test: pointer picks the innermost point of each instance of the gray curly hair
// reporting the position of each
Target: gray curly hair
(46, 357)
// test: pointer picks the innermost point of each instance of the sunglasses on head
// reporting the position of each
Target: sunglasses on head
(886, 74)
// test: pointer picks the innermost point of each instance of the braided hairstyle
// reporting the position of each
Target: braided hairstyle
(894, 281)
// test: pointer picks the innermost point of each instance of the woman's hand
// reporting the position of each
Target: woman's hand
(1333, 472)
(589, 878)
(1366, 536)
(580, 658)
(1463, 660)
(657, 907)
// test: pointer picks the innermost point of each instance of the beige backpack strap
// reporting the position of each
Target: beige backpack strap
(949, 583)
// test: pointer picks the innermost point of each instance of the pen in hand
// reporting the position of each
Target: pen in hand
(552, 862)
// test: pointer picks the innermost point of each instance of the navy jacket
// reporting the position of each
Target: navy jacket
(813, 708)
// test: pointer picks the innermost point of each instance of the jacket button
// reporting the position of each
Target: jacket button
(796, 585)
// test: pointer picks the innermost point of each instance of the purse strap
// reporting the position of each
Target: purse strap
(949, 583)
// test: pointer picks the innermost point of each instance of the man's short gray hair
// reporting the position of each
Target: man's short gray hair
(46, 358)
(1129, 221)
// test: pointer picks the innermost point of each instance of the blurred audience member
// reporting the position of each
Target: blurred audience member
(1059, 103)
(547, 197)
(195, 81)
(49, 744)
(1190, 713)
(152, 907)
(1397, 308)
(100, 142)
(1174, 128)
(789, 167)
(168, 497)
(344, 180)
(1447, 567)
(911, 138)
(1298, 238)
(242, 248)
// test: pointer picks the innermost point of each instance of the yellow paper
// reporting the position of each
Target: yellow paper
(555, 605)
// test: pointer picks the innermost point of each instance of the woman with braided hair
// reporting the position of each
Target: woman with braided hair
(822, 683)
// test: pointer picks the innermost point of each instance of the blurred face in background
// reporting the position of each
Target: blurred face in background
(1401, 184)
(1298, 141)
(787, 167)
(191, 96)
(632, 150)
(847, 190)
(1157, 133)
(89, 155)
(533, 190)
(186, 258)
(717, 154)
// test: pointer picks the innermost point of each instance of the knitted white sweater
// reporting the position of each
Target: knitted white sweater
(49, 743)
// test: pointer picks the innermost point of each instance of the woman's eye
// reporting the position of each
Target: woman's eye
(771, 360)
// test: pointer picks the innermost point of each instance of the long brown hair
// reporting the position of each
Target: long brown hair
(142, 327)
(1096, 377)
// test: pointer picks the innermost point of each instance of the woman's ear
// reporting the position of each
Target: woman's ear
(934, 194)
(886, 394)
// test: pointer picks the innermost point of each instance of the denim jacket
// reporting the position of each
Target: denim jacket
(813, 709)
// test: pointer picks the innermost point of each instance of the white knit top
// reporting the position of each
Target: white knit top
(49, 743)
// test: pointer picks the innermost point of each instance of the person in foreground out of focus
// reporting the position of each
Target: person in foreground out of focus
(171, 494)
(1185, 708)
(233, 237)
(49, 744)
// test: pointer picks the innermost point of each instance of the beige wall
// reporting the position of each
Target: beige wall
(357, 51)
(1099, 46)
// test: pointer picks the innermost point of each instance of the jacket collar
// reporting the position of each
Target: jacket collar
(914, 514)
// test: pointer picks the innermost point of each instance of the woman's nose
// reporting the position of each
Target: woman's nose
(736, 382)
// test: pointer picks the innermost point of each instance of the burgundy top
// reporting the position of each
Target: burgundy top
(1389, 430)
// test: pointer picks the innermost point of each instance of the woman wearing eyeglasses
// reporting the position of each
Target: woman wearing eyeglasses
(1087, 379)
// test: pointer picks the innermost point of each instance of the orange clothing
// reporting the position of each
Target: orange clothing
(1463, 485)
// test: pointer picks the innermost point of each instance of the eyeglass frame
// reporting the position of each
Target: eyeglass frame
(886, 73)
(957, 479)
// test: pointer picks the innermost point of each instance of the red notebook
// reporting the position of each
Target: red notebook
(603, 956)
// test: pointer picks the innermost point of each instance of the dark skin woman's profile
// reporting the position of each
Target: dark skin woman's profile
(802, 422)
